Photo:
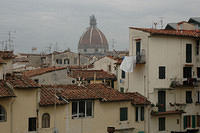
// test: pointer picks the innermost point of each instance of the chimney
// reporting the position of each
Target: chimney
(110, 129)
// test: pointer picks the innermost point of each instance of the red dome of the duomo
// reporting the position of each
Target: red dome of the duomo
(93, 38)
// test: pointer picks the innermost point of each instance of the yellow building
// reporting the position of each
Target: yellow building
(94, 108)
(18, 104)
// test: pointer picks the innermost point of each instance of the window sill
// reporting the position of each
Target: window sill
(82, 117)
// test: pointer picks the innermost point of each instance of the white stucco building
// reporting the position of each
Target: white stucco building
(167, 73)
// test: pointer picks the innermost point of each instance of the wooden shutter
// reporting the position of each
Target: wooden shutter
(184, 122)
(188, 53)
(193, 121)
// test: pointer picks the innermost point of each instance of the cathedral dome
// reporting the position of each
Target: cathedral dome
(93, 40)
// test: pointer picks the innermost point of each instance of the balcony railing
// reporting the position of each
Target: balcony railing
(188, 82)
(140, 57)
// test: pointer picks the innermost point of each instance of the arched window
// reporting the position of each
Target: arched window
(2, 114)
(45, 120)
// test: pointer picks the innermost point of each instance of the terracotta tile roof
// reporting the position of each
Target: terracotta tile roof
(137, 98)
(77, 67)
(19, 81)
(5, 91)
(2, 61)
(185, 33)
(74, 92)
(89, 74)
(7, 54)
(40, 71)
(170, 112)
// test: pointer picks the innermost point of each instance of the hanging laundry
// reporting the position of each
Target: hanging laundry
(128, 63)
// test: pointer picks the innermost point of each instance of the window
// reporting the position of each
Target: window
(2, 114)
(75, 60)
(161, 72)
(139, 113)
(187, 72)
(36, 80)
(123, 74)
(59, 61)
(198, 72)
(161, 122)
(46, 120)
(142, 114)
(66, 61)
(124, 114)
(85, 50)
(109, 68)
(197, 47)
(32, 124)
(188, 96)
(188, 53)
(82, 109)
(187, 121)
(96, 50)
(198, 96)
(136, 113)
(122, 89)
(161, 101)
(198, 120)
(138, 45)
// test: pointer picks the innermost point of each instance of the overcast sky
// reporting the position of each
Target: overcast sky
(41, 23)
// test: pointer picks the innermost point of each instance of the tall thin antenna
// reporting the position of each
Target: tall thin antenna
(161, 22)
(113, 44)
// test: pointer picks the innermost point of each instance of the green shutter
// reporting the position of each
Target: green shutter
(123, 114)
(193, 121)
(184, 122)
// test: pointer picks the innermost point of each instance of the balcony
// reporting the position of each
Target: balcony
(187, 82)
(140, 57)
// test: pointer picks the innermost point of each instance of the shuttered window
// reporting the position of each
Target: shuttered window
(123, 114)
(142, 114)
(193, 121)
(187, 121)
(136, 113)
(198, 120)
(188, 53)
(161, 124)
(123, 74)
(161, 72)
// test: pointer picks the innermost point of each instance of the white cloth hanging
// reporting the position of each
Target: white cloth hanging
(128, 63)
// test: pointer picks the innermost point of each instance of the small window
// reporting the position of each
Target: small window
(136, 113)
(85, 50)
(66, 61)
(187, 121)
(46, 120)
(2, 114)
(142, 114)
(122, 89)
(96, 50)
(188, 53)
(123, 114)
(75, 60)
(161, 72)
(32, 124)
(198, 72)
(197, 47)
(187, 72)
(161, 124)
(198, 120)
(123, 74)
(36, 80)
(188, 96)
(198, 96)
(109, 68)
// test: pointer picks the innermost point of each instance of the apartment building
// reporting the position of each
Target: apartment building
(167, 72)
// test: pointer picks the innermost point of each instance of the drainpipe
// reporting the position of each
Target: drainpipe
(37, 109)
(11, 115)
